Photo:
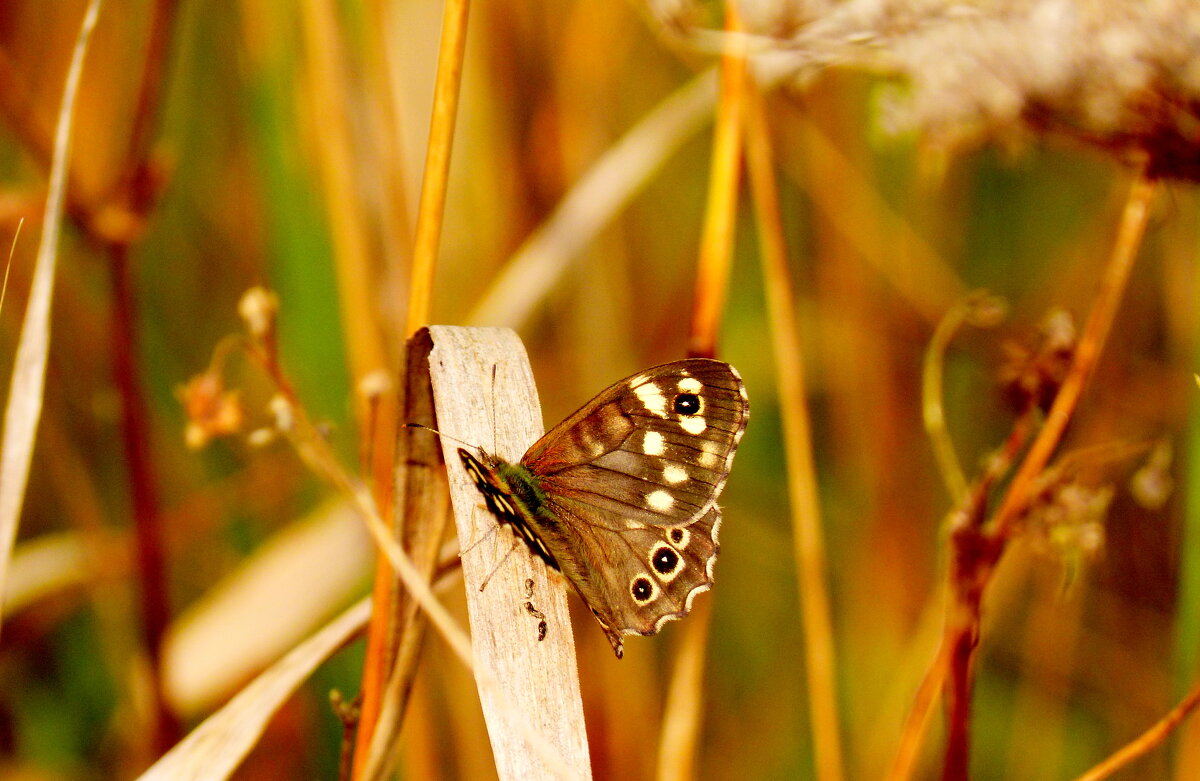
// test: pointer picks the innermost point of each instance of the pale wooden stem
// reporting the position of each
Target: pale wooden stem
(484, 394)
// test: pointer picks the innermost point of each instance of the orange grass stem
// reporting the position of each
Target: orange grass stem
(820, 656)
(1087, 353)
(682, 717)
(716, 243)
(976, 552)
(431, 208)
(1147, 741)
(432, 205)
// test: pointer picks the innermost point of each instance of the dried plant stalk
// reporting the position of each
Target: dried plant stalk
(215, 748)
(24, 408)
(803, 498)
(484, 393)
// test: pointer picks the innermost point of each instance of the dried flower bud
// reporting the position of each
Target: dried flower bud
(281, 410)
(258, 307)
(1069, 518)
(375, 384)
(1033, 376)
(211, 410)
(1151, 485)
(261, 437)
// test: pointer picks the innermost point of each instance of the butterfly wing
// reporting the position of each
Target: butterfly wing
(630, 483)
(636, 579)
(654, 448)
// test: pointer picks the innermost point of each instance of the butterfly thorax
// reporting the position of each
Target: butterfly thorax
(512, 493)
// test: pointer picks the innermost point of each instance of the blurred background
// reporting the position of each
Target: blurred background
(281, 144)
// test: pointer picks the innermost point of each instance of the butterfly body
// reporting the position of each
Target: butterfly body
(620, 497)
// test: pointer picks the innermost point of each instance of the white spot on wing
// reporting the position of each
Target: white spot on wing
(653, 443)
(652, 399)
(693, 424)
(659, 500)
(674, 474)
(690, 385)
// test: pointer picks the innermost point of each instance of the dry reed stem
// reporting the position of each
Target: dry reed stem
(432, 205)
(377, 658)
(422, 502)
(720, 214)
(546, 255)
(1145, 742)
(925, 281)
(484, 392)
(683, 713)
(684, 707)
(28, 382)
(803, 495)
(379, 662)
(214, 749)
(335, 148)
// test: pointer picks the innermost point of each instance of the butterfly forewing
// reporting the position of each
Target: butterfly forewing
(652, 449)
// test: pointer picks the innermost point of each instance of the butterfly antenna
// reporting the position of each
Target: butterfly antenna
(499, 564)
(495, 367)
(440, 434)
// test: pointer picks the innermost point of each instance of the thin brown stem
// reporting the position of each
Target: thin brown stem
(147, 519)
(977, 551)
(138, 192)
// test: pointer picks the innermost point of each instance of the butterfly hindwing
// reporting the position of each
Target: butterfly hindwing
(636, 579)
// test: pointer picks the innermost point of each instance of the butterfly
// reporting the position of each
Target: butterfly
(620, 498)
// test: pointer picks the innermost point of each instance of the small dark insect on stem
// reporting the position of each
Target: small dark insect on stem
(533, 611)
(541, 620)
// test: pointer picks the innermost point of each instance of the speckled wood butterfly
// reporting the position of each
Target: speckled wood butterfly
(621, 496)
